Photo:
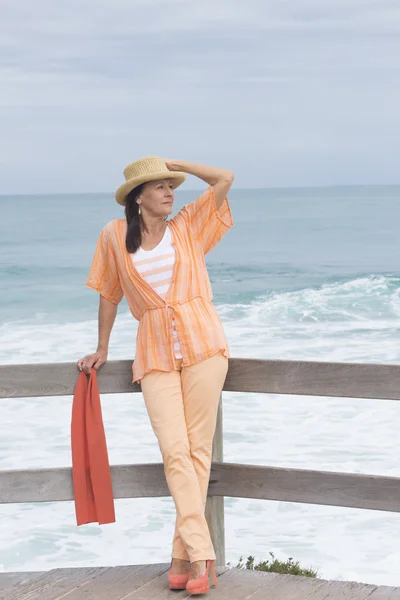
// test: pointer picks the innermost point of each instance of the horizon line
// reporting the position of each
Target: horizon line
(275, 187)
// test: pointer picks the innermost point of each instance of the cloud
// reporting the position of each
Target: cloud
(286, 92)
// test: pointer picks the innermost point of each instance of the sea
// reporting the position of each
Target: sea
(307, 274)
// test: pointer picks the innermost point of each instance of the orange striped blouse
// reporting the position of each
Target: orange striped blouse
(195, 230)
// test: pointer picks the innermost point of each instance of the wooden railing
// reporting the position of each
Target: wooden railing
(345, 380)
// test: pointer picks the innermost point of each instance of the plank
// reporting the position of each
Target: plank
(52, 584)
(372, 492)
(385, 592)
(15, 579)
(345, 380)
(119, 582)
(290, 587)
(59, 379)
(48, 485)
(341, 380)
(342, 590)
(156, 589)
(215, 505)
(236, 584)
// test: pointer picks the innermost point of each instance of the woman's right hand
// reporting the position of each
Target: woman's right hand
(94, 360)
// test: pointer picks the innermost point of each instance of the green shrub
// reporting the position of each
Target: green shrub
(273, 565)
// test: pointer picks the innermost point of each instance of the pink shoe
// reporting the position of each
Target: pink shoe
(177, 581)
(201, 585)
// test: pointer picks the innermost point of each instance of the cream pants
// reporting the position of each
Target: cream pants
(182, 406)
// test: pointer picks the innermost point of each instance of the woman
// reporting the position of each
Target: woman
(181, 351)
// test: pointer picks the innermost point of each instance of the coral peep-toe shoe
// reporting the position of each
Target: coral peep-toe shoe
(201, 585)
(177, 581)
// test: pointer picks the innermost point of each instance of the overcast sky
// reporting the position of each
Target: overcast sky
(285, 92)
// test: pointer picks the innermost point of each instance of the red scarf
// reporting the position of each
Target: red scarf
(94, 500)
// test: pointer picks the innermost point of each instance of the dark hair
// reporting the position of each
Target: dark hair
(135, 224)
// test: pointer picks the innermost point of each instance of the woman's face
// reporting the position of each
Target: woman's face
(157, 198)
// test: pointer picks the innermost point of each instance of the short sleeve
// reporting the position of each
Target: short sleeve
(208, 224)
(103, 274)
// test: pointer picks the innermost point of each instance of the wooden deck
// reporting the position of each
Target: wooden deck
(149, 582)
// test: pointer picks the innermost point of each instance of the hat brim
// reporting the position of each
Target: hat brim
(120, 195)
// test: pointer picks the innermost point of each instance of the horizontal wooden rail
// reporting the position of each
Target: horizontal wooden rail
(345, 380)
(227, 479)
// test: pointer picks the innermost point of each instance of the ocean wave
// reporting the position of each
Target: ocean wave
(354, 320)
(345, 320)
(359, 299)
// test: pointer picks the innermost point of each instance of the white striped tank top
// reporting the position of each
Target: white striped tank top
(156, 267)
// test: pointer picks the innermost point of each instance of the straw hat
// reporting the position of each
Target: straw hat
(146, 169)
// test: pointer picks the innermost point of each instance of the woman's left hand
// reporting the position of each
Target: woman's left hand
(172, 165)
(220, 179)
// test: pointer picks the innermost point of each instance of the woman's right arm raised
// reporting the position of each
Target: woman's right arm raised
(107, 314)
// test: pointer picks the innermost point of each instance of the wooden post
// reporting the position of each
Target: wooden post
(215, 514)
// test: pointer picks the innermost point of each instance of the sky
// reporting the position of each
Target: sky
(284, 92)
